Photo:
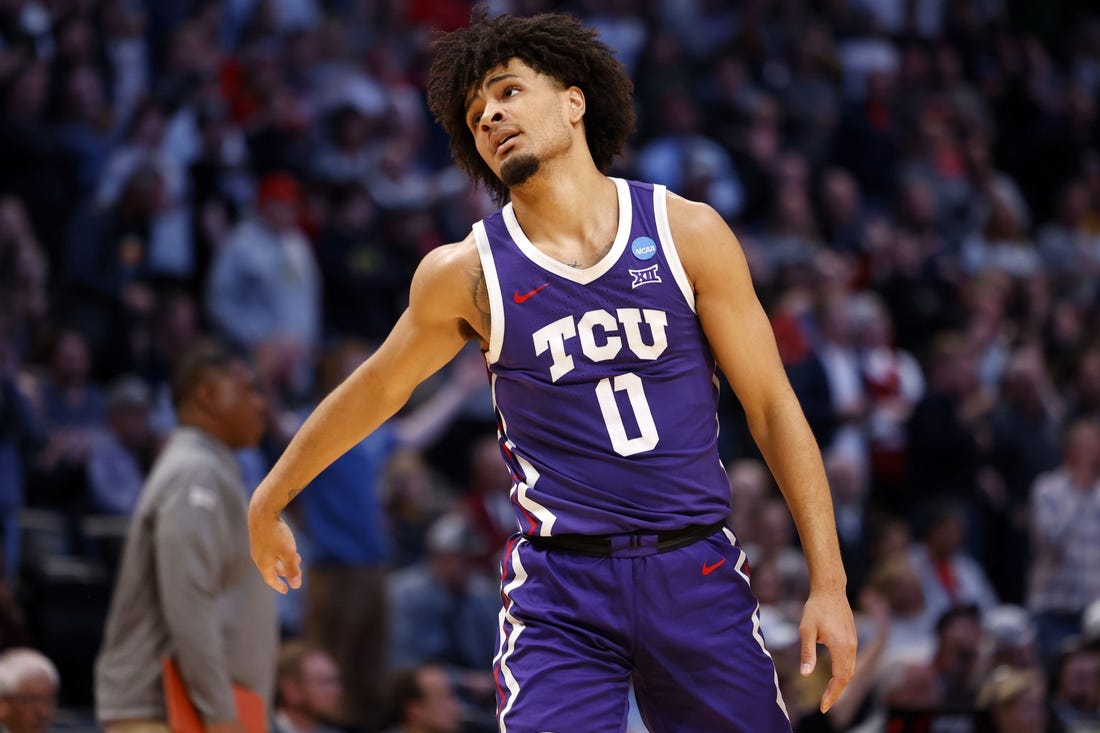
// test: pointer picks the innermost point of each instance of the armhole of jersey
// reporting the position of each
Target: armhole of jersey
(660, 215)
(492, 287)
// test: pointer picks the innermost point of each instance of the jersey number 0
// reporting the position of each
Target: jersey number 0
(631, 384)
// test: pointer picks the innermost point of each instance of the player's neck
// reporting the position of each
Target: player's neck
(567, 213)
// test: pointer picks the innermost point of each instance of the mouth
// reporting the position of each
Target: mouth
(506, 143)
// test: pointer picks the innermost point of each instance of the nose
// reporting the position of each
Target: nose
(491, 115)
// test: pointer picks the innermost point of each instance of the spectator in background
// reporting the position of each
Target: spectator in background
(173, 329)
(949, 577)
(776, 543)
(414, 494)
(87, 124)
(343, 517)
(1064, 575)
(868, 138)
(366, 279)
(345, 156)
(1025, 425)
(850, 484)
(422, 700)
(29, 684)
(791, 239)
(1011, 700)
(444, 610)
(1069, 245)
(839, 355)
(804, 365)
(893, 579)
(486, 501)
(70, 395)
(893, 383)
(279, 130)
(36, 168)
(219, 181)
(22, 434)
(946, 431)
(1083, 391)
(750, 484)
(844, 220)
(811, 101)
(108, 267)
(397, 182)
(264, 286)
(308, 690)
(74, 409)
(686, 159)
(957, 659)
(185, 587)
(906, 682)
(121, 454)
(1009, 637)
(1075, 690)
(914, 276)
(24, 276)
(990, 329)
(169, 248)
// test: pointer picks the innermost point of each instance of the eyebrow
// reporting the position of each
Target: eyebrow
(488, 83)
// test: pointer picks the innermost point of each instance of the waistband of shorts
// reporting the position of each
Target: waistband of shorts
(634, 544)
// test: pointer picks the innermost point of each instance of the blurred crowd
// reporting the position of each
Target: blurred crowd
(916, 184)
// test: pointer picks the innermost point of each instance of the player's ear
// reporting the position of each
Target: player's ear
(575, 100)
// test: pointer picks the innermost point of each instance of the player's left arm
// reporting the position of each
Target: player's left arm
(743, 343)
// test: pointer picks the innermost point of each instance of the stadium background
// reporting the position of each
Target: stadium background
(916, 185)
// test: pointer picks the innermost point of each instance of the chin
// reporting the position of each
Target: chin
(518, 169)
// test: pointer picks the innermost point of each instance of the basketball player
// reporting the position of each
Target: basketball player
(602, 307)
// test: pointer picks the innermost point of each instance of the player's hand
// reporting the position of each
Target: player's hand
(827, 619)
(274, 551)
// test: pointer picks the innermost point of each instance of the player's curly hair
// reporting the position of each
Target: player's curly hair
(553, 44)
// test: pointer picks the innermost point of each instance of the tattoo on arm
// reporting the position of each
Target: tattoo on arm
(291, 494)
(480, 292)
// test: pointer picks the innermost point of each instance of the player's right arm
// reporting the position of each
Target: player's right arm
(446, 309)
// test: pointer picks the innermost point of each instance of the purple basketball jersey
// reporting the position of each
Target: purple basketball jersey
(603, 383)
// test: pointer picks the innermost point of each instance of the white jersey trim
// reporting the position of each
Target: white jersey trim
(664, 232)
(518, 493)
(492, 287)
(508, 641)
(740, 568)
(584, 275)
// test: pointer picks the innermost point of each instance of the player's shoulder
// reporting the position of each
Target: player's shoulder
(448, 257)
(692, 218)
(449, 281)
(699, 232)
(449, 263)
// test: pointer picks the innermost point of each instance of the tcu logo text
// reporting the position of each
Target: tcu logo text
(601, 338)
(597, 331)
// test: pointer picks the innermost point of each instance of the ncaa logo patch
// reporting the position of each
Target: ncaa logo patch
(643, 248)
(644, 277)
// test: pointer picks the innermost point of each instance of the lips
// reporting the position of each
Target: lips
(502, 139)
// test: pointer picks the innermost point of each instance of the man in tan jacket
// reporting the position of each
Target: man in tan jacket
(186, 586)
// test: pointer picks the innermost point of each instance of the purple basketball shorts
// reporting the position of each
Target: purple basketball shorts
(682, 626)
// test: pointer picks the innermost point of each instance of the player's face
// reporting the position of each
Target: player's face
(518, 118)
